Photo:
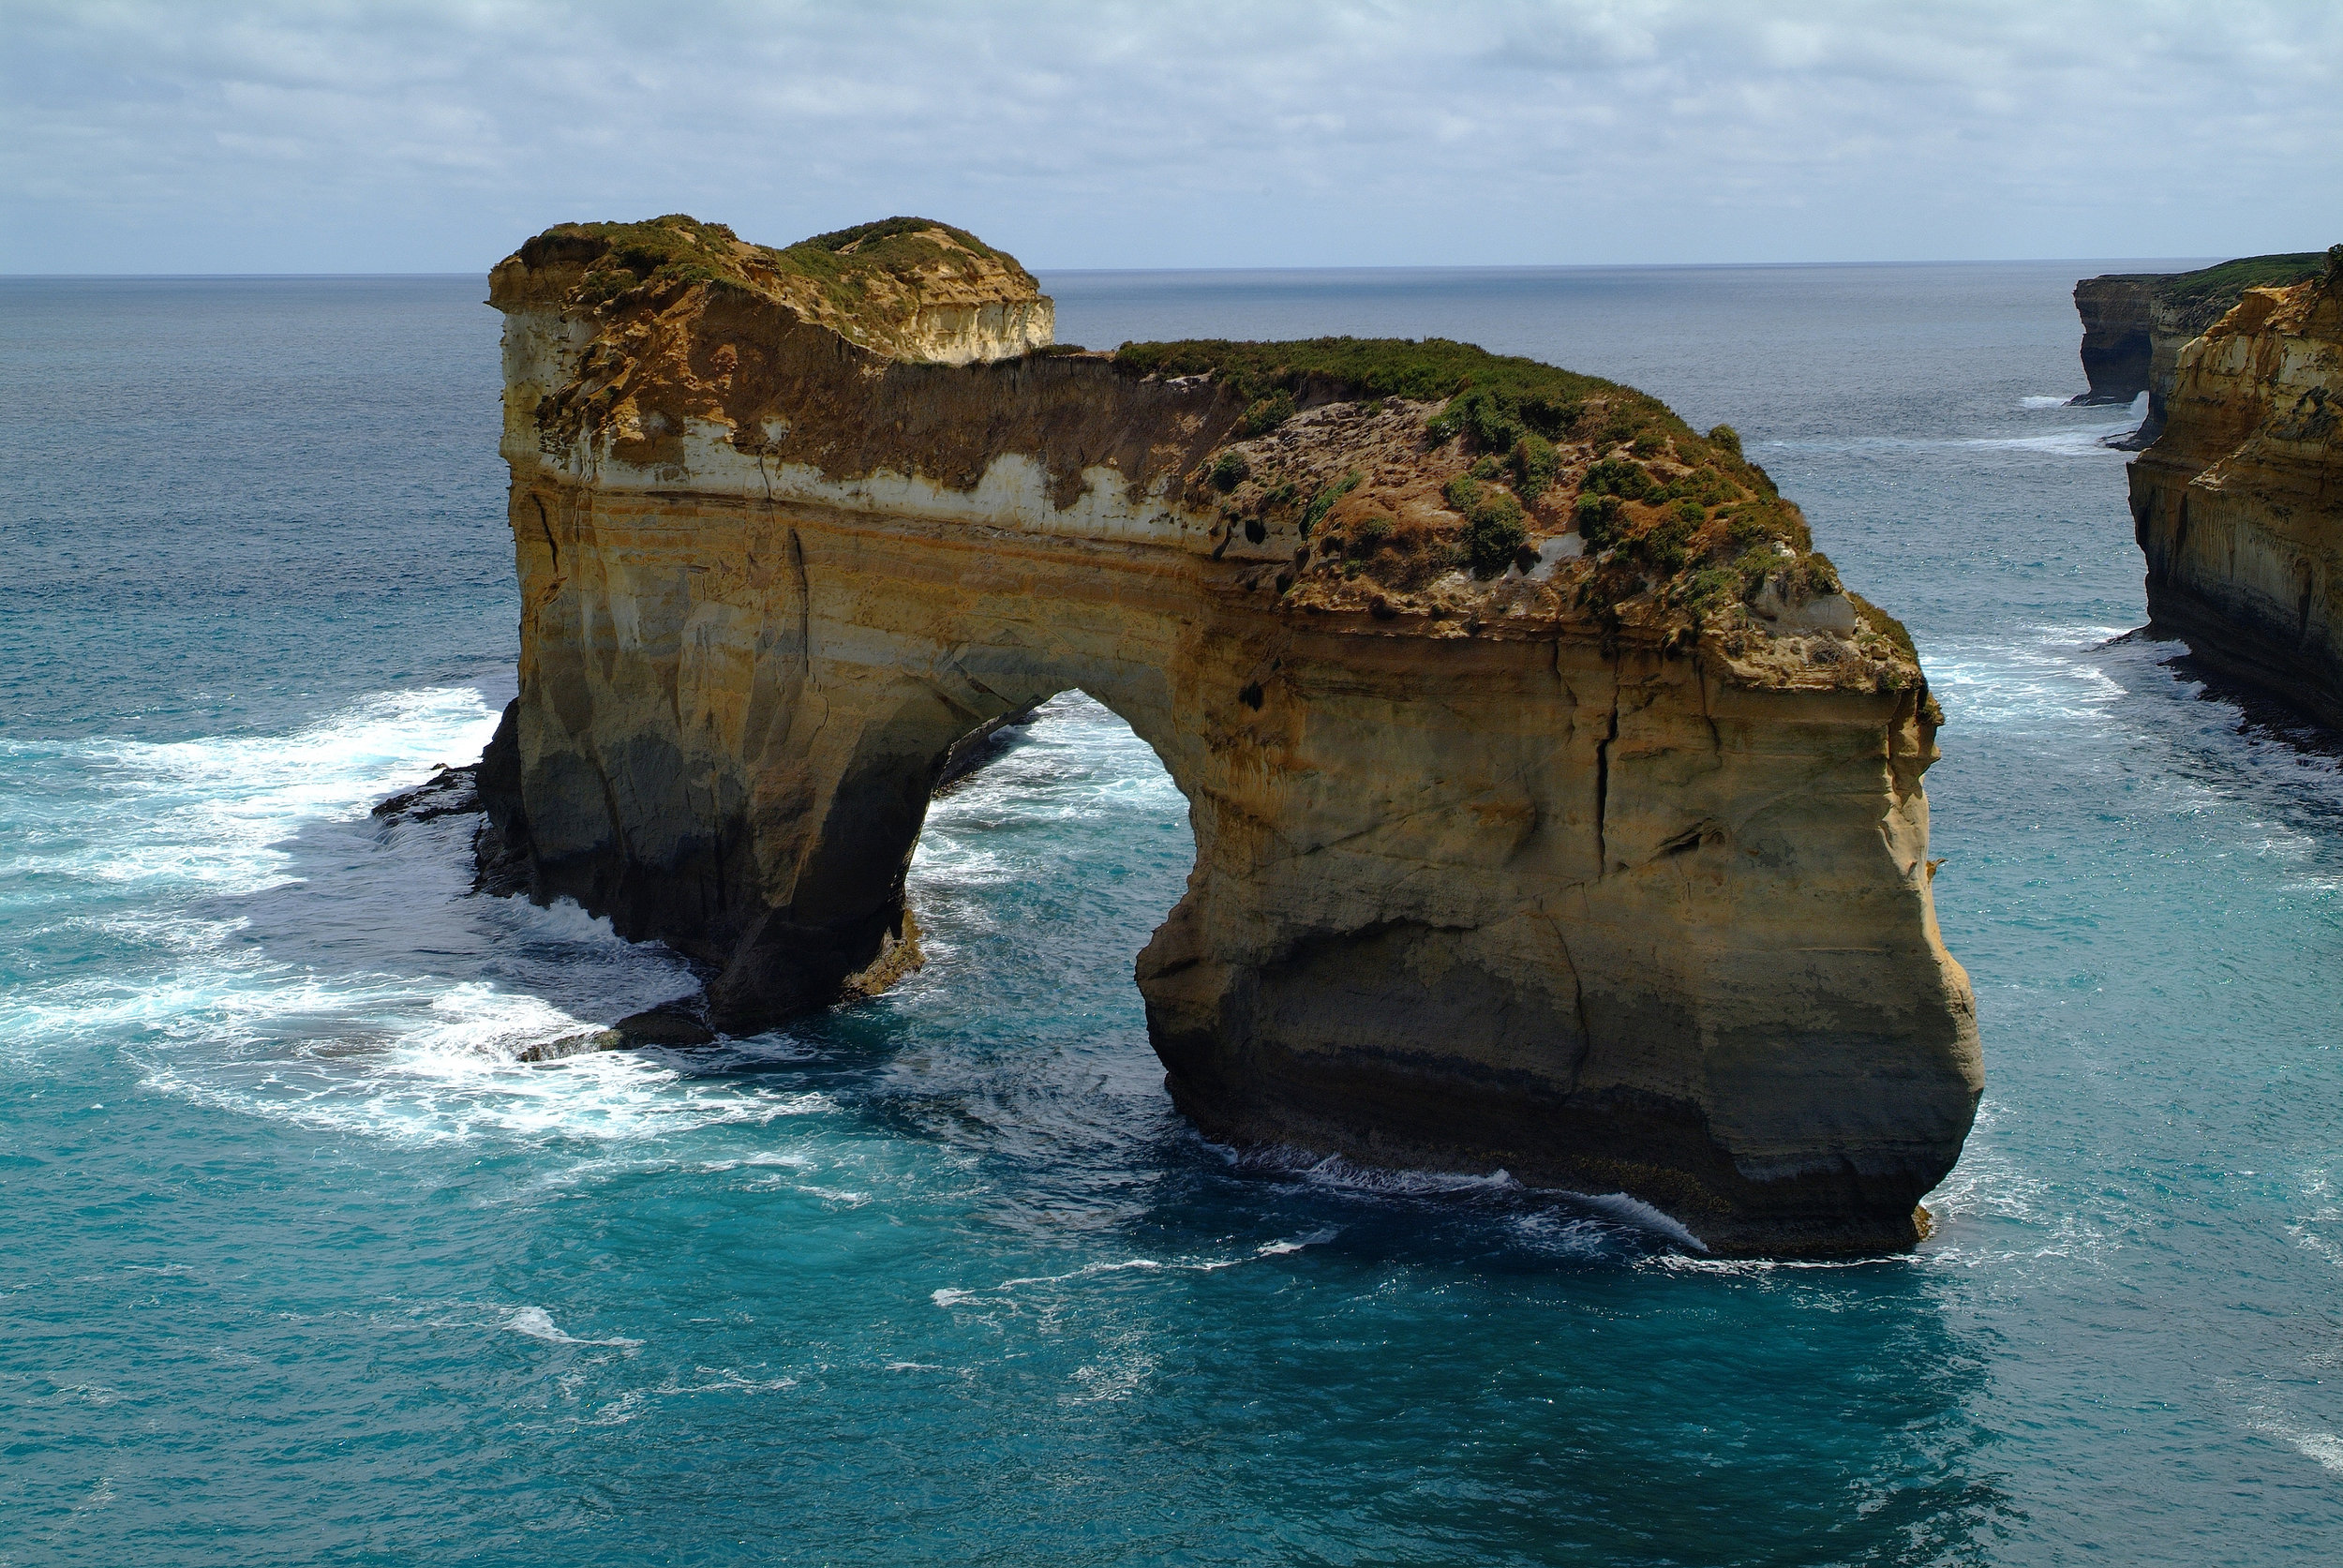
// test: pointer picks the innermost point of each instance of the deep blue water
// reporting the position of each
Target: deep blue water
(299, 1266)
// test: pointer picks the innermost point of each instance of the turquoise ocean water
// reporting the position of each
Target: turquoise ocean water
(298, 1264)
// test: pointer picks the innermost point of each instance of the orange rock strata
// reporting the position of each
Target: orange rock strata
(1604, 865)
(2239, 505)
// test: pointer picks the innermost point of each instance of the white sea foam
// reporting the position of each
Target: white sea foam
(2325, 1447)
(354, 1011)
(1336, 1170)
(536, 1322)
(953, 1296)
(1319, 1237)
(210, 813)
(2090, 441)
(2308, 1439)
(1640, 1216)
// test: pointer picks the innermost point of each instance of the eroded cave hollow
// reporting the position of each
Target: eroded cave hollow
(1515, 844)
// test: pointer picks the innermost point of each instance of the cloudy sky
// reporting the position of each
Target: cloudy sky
(338, 136)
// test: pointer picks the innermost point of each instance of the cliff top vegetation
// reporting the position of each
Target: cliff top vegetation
(2201, 298)
(867, 282)
(1403, 468)
(1397, 477)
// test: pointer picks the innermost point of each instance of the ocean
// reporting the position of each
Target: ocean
(299, 1264)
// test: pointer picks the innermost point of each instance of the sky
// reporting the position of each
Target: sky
(206, 136)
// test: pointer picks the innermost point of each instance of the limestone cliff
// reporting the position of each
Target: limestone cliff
(1555, 808)
(2239, 505)
(2135, 323)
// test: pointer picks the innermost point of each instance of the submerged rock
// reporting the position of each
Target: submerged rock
(1556, 807)
(2239, 505)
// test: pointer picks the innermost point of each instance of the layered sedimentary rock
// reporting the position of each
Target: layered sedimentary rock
(2135, 323)
(2239, 505)
(1555, 808)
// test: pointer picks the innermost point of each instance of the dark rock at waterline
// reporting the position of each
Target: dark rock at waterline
(984, 745)
(450, 792)
(503, 866)
(673, 1024)
(503, 856)
(567, 1046)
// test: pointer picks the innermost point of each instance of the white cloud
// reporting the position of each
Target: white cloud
(256, 136)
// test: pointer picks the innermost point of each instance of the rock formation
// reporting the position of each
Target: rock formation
(2134, 324)
(2239, 505)
(1555, 808)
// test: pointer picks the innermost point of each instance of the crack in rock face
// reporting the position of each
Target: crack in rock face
(1557, 808)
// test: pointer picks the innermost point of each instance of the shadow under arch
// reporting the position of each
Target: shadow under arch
(850, 927)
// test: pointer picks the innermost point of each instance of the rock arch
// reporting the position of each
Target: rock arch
(1481, 879)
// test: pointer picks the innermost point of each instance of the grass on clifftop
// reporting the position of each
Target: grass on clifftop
(840, 267)
(2202, 297)
(1495, 395)
(1663, 510)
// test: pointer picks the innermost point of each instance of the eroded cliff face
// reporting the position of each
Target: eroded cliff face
(2134, 325)
(2239, 505)
(2118, 335)
(1554, 810)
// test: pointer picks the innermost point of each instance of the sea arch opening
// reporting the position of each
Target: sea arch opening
(1052, 851)
(853, 927)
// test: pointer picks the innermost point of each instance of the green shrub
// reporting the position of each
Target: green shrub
(1753, 567)
(1711, 585)
(1599, 519)
(1265, 415)
(1492, 420)
(1818, 574)
(1230, 471)
(1487, 468)
(1707, 487)
(1725, 437)
(1324, 501)
(1885, 625)
(1550, 416)
(1493, 526)
(608, 283)
(1616, 476)
(1691, 511)
(1370, 536)
(1646, 444)
(1533, 462)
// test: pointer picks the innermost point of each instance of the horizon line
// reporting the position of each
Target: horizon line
(1354, 267)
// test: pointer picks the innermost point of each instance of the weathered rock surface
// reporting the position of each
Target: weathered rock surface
(449, 792)
(2135, 323)
(2239, 505)
(1554, 807)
